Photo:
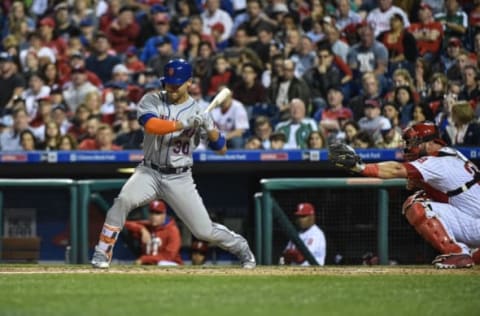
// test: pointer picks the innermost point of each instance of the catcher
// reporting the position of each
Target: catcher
(445, 210)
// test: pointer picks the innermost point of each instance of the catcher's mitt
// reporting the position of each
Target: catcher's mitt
(345, 157)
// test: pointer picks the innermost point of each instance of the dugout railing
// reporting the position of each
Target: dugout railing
(267, 209)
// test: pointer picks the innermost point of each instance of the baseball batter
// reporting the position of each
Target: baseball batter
(446, 211)
(173, 122)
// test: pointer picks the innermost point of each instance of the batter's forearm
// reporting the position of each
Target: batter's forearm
(161, 127)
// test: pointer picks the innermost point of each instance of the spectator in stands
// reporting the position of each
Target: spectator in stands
(77, 60)
(316, 140)
(133, 138)
(400, 44)
(103, 140)
(454, 21)
(17, 19)
(159, 237)
(101, 62)
(64, 26)
(93, 102)
(263, 43)
(436, 90)
(76, 90)
(78, 129)
(52, 136)
(350, 129)
(363, 140)
(199, 250)
(373, 122)
(82, 10)
(456, 71)
(10, 137)
(345, 16)
(331, 117)
(321, 76)
(67, 142)
(28, 141)
(428, 34)
(123, 31)
(92, 125)
(164, 52)
(11, 81)
(162, 29)
(253, 142)
(277, 140)
(203, 64)
(403, 98)
(304, 57)
(332, 35)
(464, 131)
(310, 234)
(380, 17)
(254, 21)
(286, 88)
(369, 55)
(232, 120)
(36, 90)
(391, 138)
(57, 44)
(51, 76)
(223, 75)
(212, 15)
(470, 90)
(298, 127)
(391, 111)
(44, 112)
(450, 54)
(263, 130)
(249, 89)
(370, 91)
(421, 113)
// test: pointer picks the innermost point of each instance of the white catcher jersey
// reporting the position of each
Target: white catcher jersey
(449, 172)
(173, 149)
(314, 239)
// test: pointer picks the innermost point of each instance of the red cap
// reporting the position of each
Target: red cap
(425, 6)
(161, 18)
(200, 246)
(454, 41)
(47, 21)
(218, 27)
(304, 209)
(157, 206)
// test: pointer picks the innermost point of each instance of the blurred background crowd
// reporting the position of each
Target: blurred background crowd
(303, 73)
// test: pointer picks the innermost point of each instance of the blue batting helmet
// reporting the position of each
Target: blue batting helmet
(177, 71)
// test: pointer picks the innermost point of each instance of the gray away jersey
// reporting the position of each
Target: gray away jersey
(173, 149)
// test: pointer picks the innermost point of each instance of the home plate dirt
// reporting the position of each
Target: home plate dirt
(232, 270)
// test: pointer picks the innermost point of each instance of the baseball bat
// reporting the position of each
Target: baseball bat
(219, 98)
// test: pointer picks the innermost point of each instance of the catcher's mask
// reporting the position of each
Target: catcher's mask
(416, 135)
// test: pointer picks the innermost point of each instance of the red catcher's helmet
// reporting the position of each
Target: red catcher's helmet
(416, 135)
(157, 206)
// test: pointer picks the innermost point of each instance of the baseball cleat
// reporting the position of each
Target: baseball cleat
(247, 260)
(100, 259)
(450, 261)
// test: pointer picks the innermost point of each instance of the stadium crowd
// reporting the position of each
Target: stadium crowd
(303, 73)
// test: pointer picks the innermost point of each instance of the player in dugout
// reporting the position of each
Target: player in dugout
(159, 236)
(445, 210)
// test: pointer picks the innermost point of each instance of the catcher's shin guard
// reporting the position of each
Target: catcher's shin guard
(430, 228)
(476, 256)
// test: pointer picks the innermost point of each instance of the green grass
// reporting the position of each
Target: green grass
(152, 294)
